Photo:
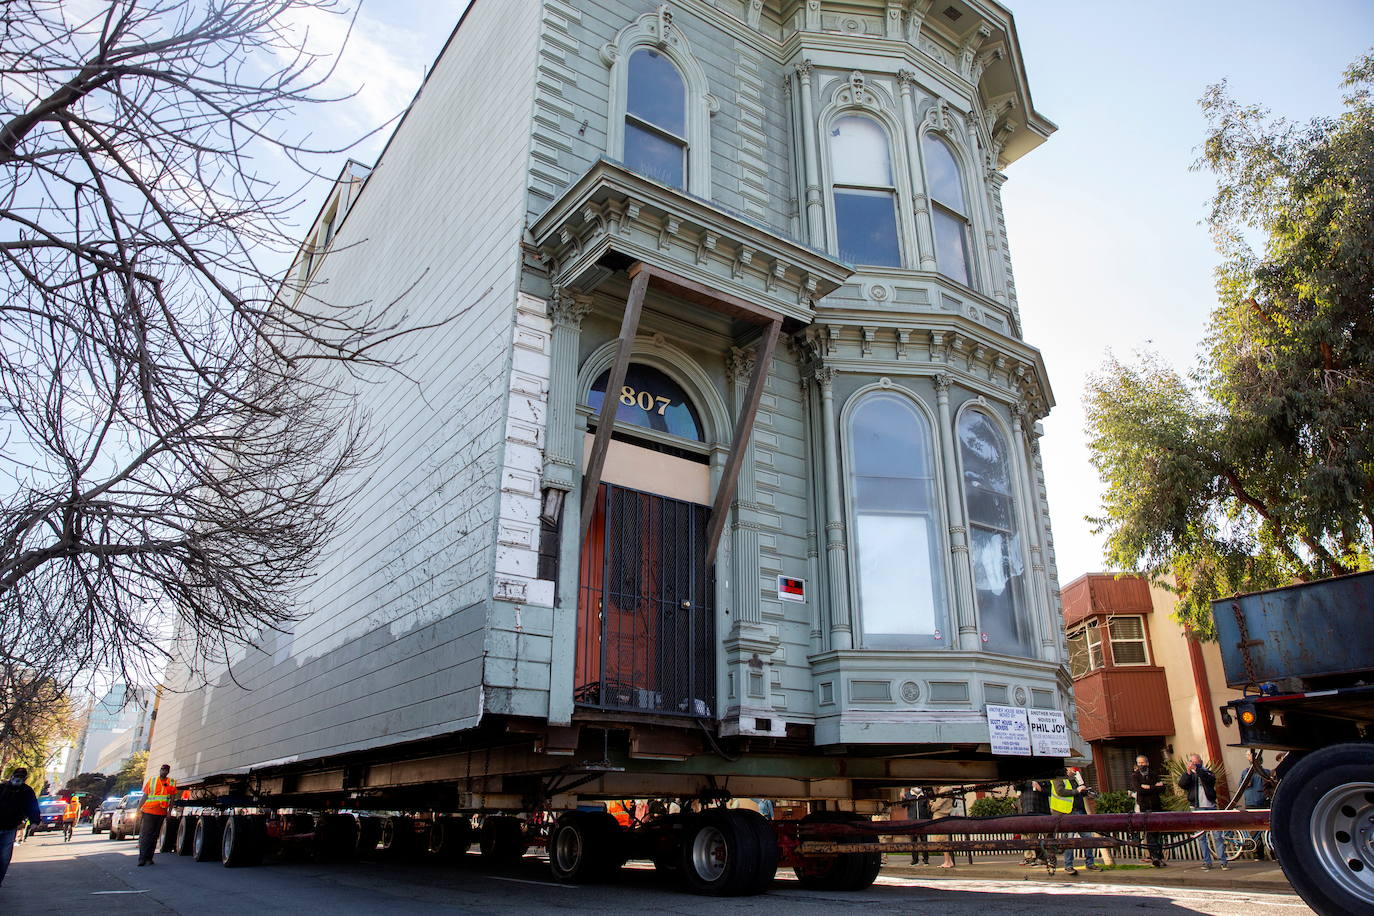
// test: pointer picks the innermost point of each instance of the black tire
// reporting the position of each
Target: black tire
(397, 837)
(186, 835)
(729, 853)
(113, 835)
(503, 840)
(1321, 811)
(96, 830)
(167, 835)
(336, 837)
(585, 846)
(848, 871)
(449, 838)
(242, 841)
(205, 846)
(369, 835)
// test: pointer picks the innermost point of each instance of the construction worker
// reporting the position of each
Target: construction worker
(1067, 796)
(70, 817)
(157, 798)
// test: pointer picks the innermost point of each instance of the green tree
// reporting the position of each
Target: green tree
(1257, 469)
(130, 775)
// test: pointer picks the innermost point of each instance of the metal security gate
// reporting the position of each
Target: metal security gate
(646, 631)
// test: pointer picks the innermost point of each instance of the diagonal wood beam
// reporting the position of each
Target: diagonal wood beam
(744, 427)
(639, 282)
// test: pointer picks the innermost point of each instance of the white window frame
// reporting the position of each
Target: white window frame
(937, 207)
(1144, 641)
(701, 104)
(1089, 649)
(890, 188)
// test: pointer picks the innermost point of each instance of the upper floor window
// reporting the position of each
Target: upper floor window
(650, 399)
(865, 196)
(898, 558)
(1128, 641)
(656, 119)
(994, 541)
(1085, 650)
(949, 211)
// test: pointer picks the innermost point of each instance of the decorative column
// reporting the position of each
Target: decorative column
(815, 213)
(1047, 628)
(965, 612)
(836, 551)
(746, 529)
(920, 206)
(561, 452)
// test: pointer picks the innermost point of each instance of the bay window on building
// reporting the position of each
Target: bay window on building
(948, 210)
(864, 194)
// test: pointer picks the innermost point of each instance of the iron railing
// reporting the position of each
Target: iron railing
(646, 621)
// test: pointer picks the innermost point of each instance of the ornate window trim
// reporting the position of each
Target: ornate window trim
(945, 614)
(939, 122)
(657, 32)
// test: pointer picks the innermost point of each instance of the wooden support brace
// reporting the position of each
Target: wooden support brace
(744, 426)
(591, 481)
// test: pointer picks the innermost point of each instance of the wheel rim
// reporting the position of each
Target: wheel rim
(567, 849)
(227, 841)
(710, 853)
(1343, 837)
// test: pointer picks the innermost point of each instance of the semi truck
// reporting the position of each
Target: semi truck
(1304, 657)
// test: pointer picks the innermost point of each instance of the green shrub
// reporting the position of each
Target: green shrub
(992, 807)
(1115, 803)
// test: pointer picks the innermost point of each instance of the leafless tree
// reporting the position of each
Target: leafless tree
(172, 446)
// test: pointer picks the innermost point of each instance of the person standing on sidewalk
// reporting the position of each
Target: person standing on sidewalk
(157, 797)
(17, 804)
(918, 809)
(1033, 799)
(1200, 785)
(1256, 792)
(1148, 789)
(1068, 795)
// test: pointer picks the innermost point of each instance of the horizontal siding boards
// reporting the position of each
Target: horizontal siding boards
(390, 640)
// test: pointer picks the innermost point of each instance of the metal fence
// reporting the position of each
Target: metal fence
(1188, 850)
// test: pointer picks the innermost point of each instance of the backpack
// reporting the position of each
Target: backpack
(14, 807)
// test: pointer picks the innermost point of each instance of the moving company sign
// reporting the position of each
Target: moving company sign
(1027, 732)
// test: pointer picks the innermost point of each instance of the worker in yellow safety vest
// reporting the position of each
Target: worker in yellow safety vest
(1067, 794)
(157, 798)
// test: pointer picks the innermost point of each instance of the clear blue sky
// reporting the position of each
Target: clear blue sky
(1105, 218)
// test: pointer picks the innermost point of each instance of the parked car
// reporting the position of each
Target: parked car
(124, 821)
(53, 810)
(104, 814)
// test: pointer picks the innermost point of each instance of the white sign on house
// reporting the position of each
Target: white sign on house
(1008, 730)
(1049, 733)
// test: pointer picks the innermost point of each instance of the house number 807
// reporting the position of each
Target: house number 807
(644, 400)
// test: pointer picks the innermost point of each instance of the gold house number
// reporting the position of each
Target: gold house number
(643, 400)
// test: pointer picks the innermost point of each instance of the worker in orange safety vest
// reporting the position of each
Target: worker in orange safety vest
(157, 798)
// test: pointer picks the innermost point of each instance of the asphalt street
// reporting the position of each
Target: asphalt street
(95, 875)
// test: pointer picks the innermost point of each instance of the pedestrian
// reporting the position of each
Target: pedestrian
(157, 797)
(1068, 795)
(1033, 799)
(1200, 785)
(918, 809)
(1148, 782)
(17, 805)
(942, 805)
(1256, 791)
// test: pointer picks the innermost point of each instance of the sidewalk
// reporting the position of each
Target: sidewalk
(1244, 875)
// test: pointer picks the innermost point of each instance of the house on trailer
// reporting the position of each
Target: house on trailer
(724, 436)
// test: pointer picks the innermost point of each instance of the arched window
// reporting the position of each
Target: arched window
(898, 558)
(650, 399)
(949, 211)
(865, 197)
(656, 119)
(994, 543)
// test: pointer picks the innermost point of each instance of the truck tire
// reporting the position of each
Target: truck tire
(336, 837)
(729, 853)
(205, 846)
(369, 835)
(585, 846)
(503, 839)
(186, 835)
(242, 840)
(167, 837)
(449, 838)
(398, 836)
(1323, 829)
(846, 871)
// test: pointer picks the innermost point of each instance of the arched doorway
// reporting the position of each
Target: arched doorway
(645, 635)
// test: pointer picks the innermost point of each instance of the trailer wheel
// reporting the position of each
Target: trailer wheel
(241, 843)
(585, 846)
(369, 835)
(846, 871)
(167, 837)
(449, 837)
(336, 837)
(503, 839)
(186, 835)
(205, 846)
(398, 836)
(729, 853)
(1323, 828)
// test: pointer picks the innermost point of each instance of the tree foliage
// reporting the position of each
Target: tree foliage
(172, 448)
(130, 775)
(1257, 469)
(94, 786)
(35, 715)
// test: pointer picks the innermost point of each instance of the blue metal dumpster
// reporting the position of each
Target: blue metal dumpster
(1312, 630)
